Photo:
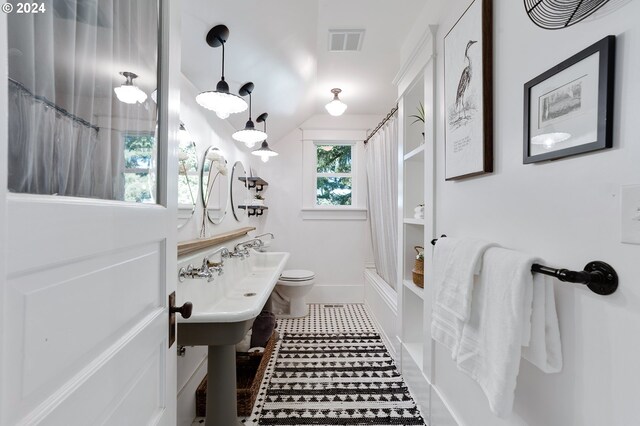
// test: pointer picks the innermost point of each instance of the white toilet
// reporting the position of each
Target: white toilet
(293, 285)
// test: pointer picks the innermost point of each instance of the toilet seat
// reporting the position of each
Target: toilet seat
(297, 275)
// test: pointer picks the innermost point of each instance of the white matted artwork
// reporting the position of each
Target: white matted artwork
(568, 109)
(468, 93)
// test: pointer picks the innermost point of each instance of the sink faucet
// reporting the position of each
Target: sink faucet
(263, 248)
(264, 235)
(207, 269)
(193, 272)
(241, 250)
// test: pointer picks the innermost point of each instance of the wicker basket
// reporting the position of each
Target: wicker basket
(250, 368)
(418, 269)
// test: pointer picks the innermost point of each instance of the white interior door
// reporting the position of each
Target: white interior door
(84, 292)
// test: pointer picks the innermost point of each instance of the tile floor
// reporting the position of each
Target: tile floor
(327, 318)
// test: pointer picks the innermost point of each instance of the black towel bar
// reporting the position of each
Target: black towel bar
(600, 277)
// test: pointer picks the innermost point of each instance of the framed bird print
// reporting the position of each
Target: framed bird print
(468, 92)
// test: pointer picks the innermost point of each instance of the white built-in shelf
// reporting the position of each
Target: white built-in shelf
(414, 288)
(412, 221)
(415, 154)
(415, 352)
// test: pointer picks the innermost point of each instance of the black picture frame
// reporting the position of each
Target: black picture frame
(605, 97)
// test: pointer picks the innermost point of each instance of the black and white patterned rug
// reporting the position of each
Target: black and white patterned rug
(333, 378)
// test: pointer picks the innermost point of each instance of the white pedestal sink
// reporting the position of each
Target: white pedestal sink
(223, 311)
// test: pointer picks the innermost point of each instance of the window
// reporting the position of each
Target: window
(334, 175)
(139, 168)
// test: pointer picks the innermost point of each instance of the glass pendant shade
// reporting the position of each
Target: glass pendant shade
(264, 152)
(249, 135)
(336, 107)
(128, 93)
(222, 102)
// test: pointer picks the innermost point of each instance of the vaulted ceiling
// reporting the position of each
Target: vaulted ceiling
(282, 47)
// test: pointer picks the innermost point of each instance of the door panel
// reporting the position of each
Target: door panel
(83, 297)
(88, 323)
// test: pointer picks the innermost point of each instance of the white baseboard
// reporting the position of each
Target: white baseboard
(381, 302)
(338, 293)
(186, 404)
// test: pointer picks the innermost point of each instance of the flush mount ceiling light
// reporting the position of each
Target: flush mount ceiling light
(220, 100)
(128, 93)
(336, 107)
(249, 135)
(264, 151)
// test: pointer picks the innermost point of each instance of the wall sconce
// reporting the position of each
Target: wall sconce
(128, 92)
(336, 107)
(249, 135)
(221, 101)
(264, 152)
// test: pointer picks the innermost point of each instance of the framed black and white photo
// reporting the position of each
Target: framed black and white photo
(568, 109)
(468, 91)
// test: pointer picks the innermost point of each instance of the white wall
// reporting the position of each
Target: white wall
(335, 250)
(207, 130)
(567, 212)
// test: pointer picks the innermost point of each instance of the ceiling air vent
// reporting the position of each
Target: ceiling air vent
(345, 40)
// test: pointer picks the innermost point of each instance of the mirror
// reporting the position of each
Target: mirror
(239, 191)
(187, 176)
(214, 185)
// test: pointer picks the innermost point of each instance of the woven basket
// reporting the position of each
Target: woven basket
(418, 269)
(250, 368)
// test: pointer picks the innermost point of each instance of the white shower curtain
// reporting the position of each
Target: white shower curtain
(66, 126)
(382, 179)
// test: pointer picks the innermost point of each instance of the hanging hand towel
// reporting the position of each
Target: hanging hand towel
(492, 338)
(455, 263)
(543, 348)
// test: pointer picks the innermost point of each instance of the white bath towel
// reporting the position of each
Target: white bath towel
(543, 349)
(491, 342)
(455, 263)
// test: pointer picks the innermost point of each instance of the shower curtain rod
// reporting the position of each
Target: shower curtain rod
(384, 120)
(54, 106)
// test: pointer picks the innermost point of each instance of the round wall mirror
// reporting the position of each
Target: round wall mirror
(214, 185)
(187, 177)
(239, 191)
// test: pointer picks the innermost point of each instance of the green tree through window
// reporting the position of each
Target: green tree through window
(139, 154)
(334, 183)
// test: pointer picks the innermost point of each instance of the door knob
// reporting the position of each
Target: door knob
(184, 310)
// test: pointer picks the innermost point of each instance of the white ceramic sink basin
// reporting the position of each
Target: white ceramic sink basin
(224, 309)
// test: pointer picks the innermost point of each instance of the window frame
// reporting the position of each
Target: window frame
(352, 174)
(310, 210)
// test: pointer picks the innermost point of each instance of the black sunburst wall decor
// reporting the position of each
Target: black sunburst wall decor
(558, 14)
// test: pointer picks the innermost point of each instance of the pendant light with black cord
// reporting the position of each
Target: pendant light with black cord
(264, 152)
(221, 101)
(249, 135)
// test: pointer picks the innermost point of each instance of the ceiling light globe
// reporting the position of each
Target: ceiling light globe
(130, 94)
(336, 107)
